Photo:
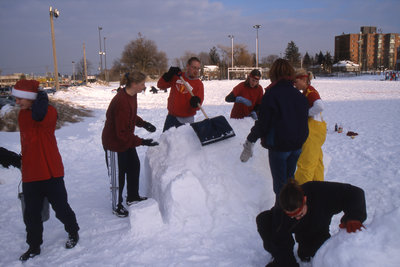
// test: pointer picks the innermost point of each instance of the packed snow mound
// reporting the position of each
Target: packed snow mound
(192, 183)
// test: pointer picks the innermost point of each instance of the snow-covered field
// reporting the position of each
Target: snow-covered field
(202, 200)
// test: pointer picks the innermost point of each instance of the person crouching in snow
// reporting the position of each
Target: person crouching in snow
(306, 210)
(120, 142)
(42, 167)
(246, 96)
(310, 166)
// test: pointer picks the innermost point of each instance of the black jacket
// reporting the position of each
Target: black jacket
(324, 199)
(282, 123)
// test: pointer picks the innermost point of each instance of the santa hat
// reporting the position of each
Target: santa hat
(26, 89)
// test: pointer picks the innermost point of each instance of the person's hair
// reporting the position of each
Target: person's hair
(291, 196)
(303, 72)
(189, 62)
(132, 77)
(281, 68)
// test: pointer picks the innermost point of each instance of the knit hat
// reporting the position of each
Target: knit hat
(26, 89)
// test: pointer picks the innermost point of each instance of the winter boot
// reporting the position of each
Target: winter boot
(72, 240)
(30, 253)
(120, 211)
(134, 201)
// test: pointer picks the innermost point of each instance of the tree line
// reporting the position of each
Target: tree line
(143, 54)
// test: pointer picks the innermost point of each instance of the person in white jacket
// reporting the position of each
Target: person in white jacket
(310, 166)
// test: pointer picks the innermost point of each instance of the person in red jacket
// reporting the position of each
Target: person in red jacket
(247, 97)
(181, 105)
(42, 167)
(120, 142)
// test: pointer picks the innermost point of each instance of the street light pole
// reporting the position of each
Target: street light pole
(231, 36)
(54, 13)
(73, 71)
(100, 52)
(257, 26)
(105, 61)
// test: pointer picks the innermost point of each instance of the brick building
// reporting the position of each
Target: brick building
(369, 49)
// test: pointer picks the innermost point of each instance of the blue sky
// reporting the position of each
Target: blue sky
(177, 26)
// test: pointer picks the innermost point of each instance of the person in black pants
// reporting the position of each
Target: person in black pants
(42, 166)
(307, 211)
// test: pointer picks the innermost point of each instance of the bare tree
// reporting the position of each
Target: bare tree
(268, 60)
(142, 54)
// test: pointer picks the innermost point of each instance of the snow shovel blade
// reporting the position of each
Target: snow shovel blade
(212, 130)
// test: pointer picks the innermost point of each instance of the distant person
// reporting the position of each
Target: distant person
(246, 96)
(306, 211)
(42, 167)
(310, 165)
(120, 142)
(181, 105)
(281, 125)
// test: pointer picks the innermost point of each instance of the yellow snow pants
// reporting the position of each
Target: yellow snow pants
(310, 166)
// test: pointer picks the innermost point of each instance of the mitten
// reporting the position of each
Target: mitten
(253, 114)
(149, 127)
(247, 151)
(39, 106)
(171, 72)
(352, 226)
(241, 99)
(195, 101)
(149, 142)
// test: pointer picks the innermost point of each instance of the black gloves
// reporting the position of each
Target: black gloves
(39, 106)
(149, 142)
(195, 101)
(149, 127)
(171, 72)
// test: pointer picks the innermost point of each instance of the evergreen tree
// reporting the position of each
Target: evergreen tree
(306, 61)
(328, 62)
(292, 54)
(320, 58)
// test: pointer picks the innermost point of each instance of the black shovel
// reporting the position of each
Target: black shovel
(210, 130)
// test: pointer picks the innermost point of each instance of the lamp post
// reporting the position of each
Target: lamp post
(105, 61)
(73, 71)
(54, 13)
(100, 52)
(231, 36)
(257, 26)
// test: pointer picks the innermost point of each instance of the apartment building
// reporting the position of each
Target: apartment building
(369, 49)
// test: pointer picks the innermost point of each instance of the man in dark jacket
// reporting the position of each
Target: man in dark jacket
(307, 211)
(282, 124)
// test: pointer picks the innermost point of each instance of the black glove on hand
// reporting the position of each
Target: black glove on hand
(149, 142)
(149, 127)
(171, 72)
(195, 101)
(39, 106)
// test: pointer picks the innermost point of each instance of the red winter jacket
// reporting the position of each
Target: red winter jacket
(255, 95)
(41, 159)
(179, 97)
(121, 118)
(312, 95)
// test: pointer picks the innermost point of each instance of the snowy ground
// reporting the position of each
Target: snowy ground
(202, 200)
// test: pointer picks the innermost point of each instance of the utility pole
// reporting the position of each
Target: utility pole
(231, 36)
(105, 61)
(73, 71)
(84, 63)
(257, 27)
(100, 52)
(54, 13)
